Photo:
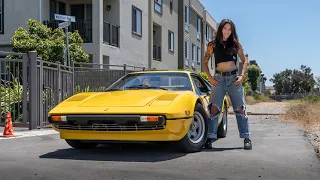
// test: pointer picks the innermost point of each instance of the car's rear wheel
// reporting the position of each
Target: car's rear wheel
(195, 138)
(223, 127)
(78, 144)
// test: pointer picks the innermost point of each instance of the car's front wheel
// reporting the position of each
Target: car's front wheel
(78, 144)
(197, 134)
(223, 127)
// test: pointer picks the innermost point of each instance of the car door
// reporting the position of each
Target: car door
(202, 89)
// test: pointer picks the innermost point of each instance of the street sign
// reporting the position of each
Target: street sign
(61, 17)
(64, 24)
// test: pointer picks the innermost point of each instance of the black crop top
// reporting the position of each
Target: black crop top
(221, 54)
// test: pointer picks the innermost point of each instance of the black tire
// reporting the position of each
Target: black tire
(223, 127)
(78, 144)
(186, 144)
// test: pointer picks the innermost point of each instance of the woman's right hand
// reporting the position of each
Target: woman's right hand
(213, 81)
(210, 48)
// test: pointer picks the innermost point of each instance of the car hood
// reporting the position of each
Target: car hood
(127, 98)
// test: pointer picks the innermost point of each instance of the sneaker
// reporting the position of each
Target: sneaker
(247, 143)
(208, 144)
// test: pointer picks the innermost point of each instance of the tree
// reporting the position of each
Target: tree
(48, 43)
(293, 81)
(253, 75)
(317, 83)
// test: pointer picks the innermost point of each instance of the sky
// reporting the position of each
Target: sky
(278, 34)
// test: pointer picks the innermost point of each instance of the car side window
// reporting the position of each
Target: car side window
(196, 86)
(201, 85)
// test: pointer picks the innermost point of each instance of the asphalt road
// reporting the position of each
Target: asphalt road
(280, 151)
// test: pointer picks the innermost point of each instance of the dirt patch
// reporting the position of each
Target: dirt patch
(307, 116)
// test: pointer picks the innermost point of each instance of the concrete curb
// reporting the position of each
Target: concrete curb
(262, 114)
(30, 133)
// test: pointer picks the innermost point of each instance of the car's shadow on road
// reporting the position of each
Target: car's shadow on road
(119, 152)
(222, 149)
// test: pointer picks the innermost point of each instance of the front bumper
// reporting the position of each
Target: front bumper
(120, 129)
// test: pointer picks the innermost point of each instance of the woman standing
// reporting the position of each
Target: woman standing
(227, 79)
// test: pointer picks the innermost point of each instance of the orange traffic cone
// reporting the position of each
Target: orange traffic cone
(8, 128)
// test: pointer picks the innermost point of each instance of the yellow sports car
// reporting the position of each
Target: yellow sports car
(148, 106)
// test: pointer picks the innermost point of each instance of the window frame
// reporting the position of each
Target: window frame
(171, 41)
(134, 28)
(2, 17)
(159, 5)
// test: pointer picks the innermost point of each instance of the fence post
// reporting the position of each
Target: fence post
(41, 96)
(33, 90)
(73, 88)
(58, 82)
(25, 110)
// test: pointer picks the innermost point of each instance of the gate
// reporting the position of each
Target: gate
(13, 87)
(55, 84)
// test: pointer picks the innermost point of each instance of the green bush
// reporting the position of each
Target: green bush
(48, 43)
(11, 98)
(203, 75)
(311, 99)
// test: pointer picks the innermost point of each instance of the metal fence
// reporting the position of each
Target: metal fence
(31, 87)
(293, 96)
(13, 86)
(98, 77)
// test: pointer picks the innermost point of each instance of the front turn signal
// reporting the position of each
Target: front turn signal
(58, 118)
(149, 118)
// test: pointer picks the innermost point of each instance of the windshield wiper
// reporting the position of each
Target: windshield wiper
(113, 89)
(145, 87)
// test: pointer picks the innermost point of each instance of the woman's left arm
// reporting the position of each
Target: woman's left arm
(244, 66)
(243, 60)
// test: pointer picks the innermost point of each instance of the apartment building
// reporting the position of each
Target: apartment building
(157, 34)
(114, 31)
(164, 34)
(196, 29)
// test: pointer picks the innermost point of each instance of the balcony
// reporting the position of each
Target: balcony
(84, 28)
(156, 52)
(111, 34)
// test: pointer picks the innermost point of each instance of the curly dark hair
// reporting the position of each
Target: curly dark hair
(232, 45)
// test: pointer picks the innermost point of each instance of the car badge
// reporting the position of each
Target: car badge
(106, 109)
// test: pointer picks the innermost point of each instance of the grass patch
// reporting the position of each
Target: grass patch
(257, 98)
(305, 112)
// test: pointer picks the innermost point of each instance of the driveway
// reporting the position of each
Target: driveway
(280, 151)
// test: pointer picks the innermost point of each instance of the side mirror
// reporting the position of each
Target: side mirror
(208, 93)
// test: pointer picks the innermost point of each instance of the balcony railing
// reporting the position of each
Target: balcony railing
(157, 52)
(111, 34)
(84, 28)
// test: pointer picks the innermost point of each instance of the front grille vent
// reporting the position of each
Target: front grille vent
(109, 127)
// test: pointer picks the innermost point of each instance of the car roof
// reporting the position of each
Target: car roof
(162, 71)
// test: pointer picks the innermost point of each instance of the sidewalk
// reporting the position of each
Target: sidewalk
(20, 132)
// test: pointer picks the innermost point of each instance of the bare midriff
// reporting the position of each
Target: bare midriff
(226, 66)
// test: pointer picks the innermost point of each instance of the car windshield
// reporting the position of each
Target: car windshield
(174, 81)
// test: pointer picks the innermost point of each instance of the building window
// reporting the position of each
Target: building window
(207, 33)
(198, 28)
(171, 41)
(194, 52)
(158, 6)
(186, 18)
(186, 50)
(1, 17)
(136, 21)
(171, 6)
(199, 55)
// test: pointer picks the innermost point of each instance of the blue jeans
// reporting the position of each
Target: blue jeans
(236, 94)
